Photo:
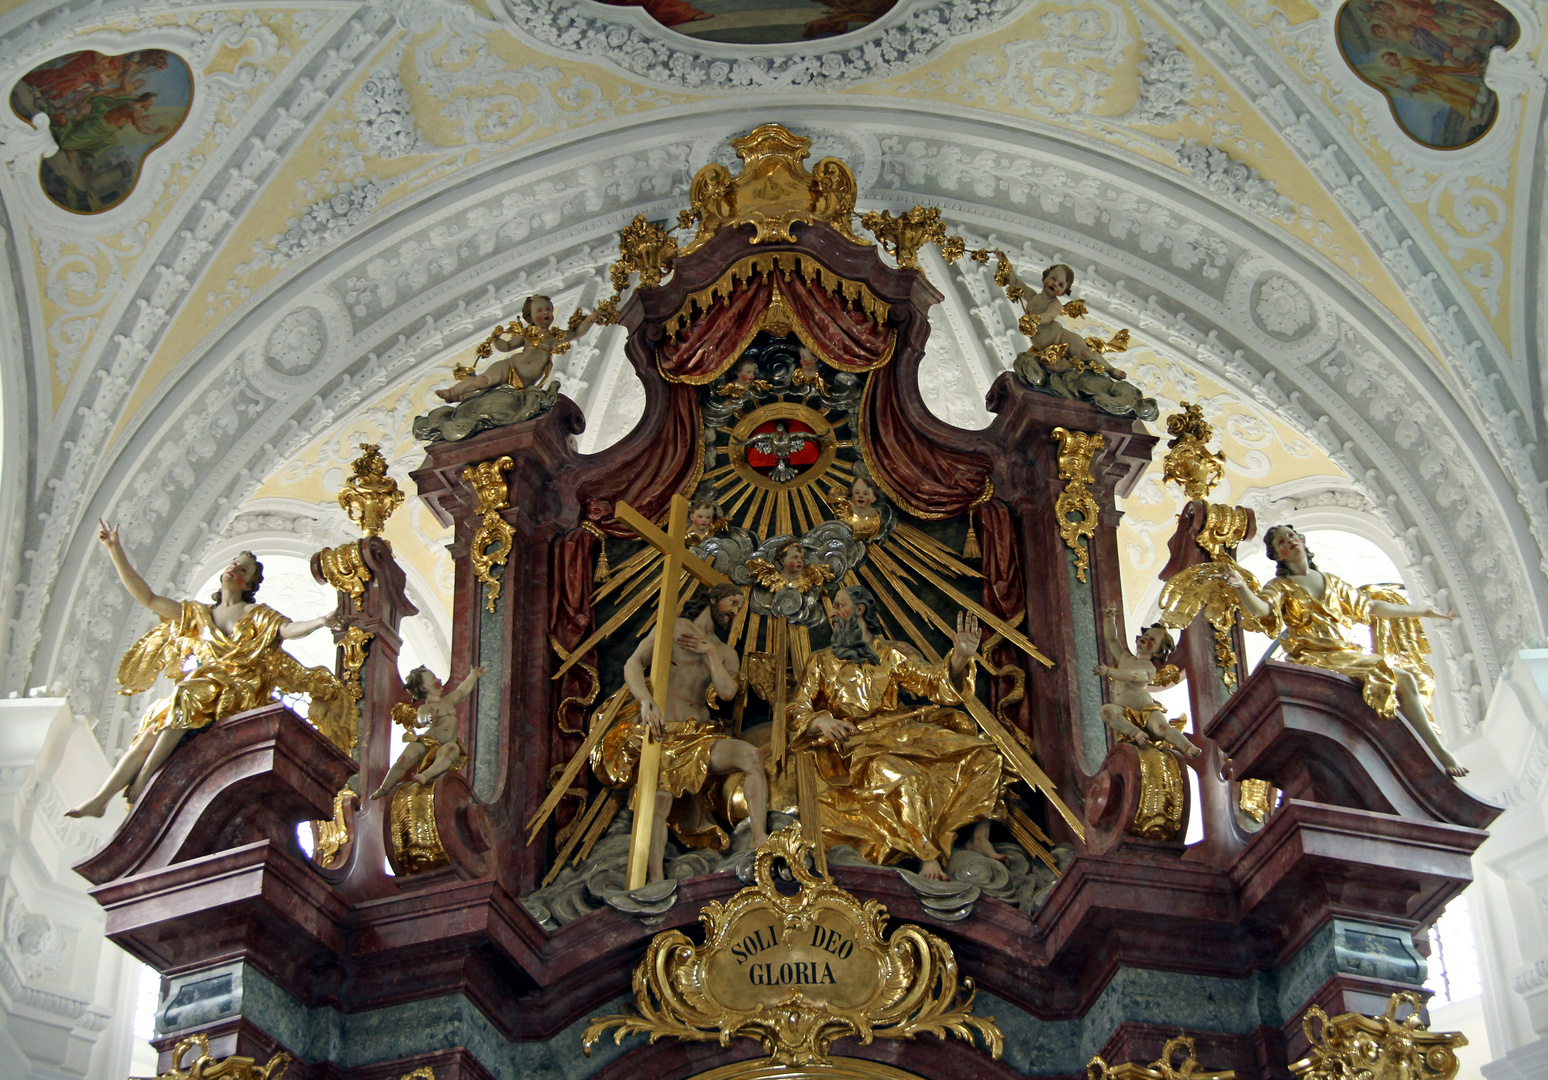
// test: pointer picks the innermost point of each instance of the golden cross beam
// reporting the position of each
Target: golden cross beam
(678, 558)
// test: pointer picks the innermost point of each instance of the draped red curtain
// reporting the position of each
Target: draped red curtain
(926, 478)
(847, 336)
(569, 619)
(717, 337)
(1005, 594)
(659, 470)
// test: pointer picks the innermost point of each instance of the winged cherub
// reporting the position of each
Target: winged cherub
(436, 712)
(785, 582)
(1133, 713)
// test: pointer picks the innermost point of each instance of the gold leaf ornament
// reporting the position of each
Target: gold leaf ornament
(1076, 449)
(1188, 461)
(1352, 1046)
(797, 972)
(344, 568)
(488, 482)
(1165, 1068)
(903, 236)
(205, 1067)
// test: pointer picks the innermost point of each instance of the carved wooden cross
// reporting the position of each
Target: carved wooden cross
(678, 558)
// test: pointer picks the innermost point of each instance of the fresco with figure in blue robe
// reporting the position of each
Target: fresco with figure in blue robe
(1428, 57)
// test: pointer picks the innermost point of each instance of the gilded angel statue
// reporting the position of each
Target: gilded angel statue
(1311, 611)
(223, 657)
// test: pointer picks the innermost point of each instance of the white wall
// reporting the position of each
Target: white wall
(1509, 899)
(63, 985)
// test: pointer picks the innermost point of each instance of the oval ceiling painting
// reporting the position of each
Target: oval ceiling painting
(1428, 58)
(106, 113)
(761, 22)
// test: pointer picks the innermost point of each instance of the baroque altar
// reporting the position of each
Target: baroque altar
(789, 503)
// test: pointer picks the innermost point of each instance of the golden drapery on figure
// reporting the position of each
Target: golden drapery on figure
(685, 759)
(217, 675)
(910, 778)
(1314, 635)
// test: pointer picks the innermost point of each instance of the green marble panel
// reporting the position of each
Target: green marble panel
(486, 722)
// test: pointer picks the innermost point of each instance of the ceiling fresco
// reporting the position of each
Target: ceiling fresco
(105, 114)
(357, 193)
(1429, 60)
(761, 22)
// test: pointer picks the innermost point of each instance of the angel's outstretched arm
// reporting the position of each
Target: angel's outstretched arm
(1385, 609)
(1115, 643)
(164, 606)
(465, 687)
(1251, 602)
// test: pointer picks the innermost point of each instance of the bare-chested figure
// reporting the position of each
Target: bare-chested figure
(436, 712)
(1133, 712)
(694, 746)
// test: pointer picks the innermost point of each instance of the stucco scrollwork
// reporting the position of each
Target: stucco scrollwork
(35, 943)
(911, 34)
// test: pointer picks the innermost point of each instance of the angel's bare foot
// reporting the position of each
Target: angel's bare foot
(931, 870)
(1117, 373)
(90, 808)
(979, 842)
(445, 395)
(1453, 766)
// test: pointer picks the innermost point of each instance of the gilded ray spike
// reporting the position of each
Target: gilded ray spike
(599, 730)
(627, 576)
(891, 605)
(1014, 636)
(599, 826)
(621, 616)
(574, 840)
(937, 552)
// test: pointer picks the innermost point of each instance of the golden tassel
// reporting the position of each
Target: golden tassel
(970, 548)
(602, 571)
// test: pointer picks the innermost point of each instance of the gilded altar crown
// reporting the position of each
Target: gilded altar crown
(773, 191)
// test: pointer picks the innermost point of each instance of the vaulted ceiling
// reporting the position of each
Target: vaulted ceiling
(360, 190)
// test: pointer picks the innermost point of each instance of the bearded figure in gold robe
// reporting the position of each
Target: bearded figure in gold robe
(898, 781)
